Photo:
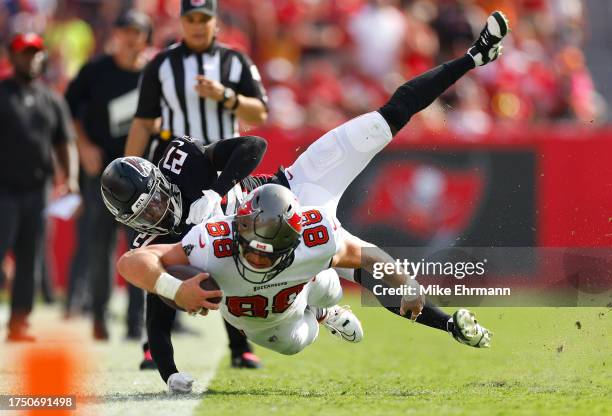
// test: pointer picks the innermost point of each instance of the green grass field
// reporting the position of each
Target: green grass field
(541, 363)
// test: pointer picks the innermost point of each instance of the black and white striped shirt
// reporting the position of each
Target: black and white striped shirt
(167, 91)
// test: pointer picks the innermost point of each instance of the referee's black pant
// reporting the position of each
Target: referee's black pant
(22, 230)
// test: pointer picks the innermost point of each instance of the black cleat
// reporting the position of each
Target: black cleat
(100, 331)
(488, 46)
(148, 365)
(246, 360)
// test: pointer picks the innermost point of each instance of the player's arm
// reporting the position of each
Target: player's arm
(145, 268)
(351, 255)
(235, 158)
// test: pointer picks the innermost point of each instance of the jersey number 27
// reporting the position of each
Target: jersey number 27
(175, 158)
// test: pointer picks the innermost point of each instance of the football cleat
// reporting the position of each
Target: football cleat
(147, 362)
(465, 329)
(180, 383)
(246, 360)
(100, 330)
(488, 46)
(341, 322)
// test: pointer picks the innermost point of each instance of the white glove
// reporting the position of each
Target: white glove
(205, 207)
(180, 383)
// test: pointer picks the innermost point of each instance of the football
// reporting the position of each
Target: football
(184, 272)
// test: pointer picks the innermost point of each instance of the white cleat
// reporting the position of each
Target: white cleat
(341, 322)
(180, 383)
(465, 329)
(488, 46)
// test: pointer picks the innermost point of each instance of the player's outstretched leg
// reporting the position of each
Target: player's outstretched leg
(340, 321)
(462, 325)
(420, 92)
(322, 173)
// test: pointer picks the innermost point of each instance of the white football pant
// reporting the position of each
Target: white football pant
(297, 331)
(322, 173)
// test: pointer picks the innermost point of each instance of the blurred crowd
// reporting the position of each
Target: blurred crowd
(325, 61)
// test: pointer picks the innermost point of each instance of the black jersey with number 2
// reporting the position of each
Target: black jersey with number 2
(194, 168)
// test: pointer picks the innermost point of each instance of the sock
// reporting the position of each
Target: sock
(420, 92)
(431, 316)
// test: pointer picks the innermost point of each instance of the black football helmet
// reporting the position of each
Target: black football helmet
(136, 192)
(268, 222)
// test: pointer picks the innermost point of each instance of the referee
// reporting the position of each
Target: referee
(201, 89)
(198, 87)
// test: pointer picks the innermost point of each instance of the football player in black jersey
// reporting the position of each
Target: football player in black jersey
(156, 201)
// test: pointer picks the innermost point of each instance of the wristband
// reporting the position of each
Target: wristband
(167, 285)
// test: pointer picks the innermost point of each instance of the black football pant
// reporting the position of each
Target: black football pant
(99, 247)
(160, 318)
(22, 230)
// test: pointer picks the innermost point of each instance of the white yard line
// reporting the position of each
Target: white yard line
(112, 384)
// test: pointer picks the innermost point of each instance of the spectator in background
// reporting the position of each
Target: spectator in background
(103, 99)
(35, 126)
(378, 31)
(70, 41)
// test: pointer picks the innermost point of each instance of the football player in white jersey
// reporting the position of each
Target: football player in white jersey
(318, 177)
(267, 259)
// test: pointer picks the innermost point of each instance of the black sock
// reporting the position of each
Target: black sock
(431, 316)
(421, 91)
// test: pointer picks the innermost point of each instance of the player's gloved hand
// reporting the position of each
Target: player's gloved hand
(191, 297)
(413, 303)
(205, 207)
(180, 383)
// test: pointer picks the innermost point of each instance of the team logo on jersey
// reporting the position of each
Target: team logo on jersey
(188, 249)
